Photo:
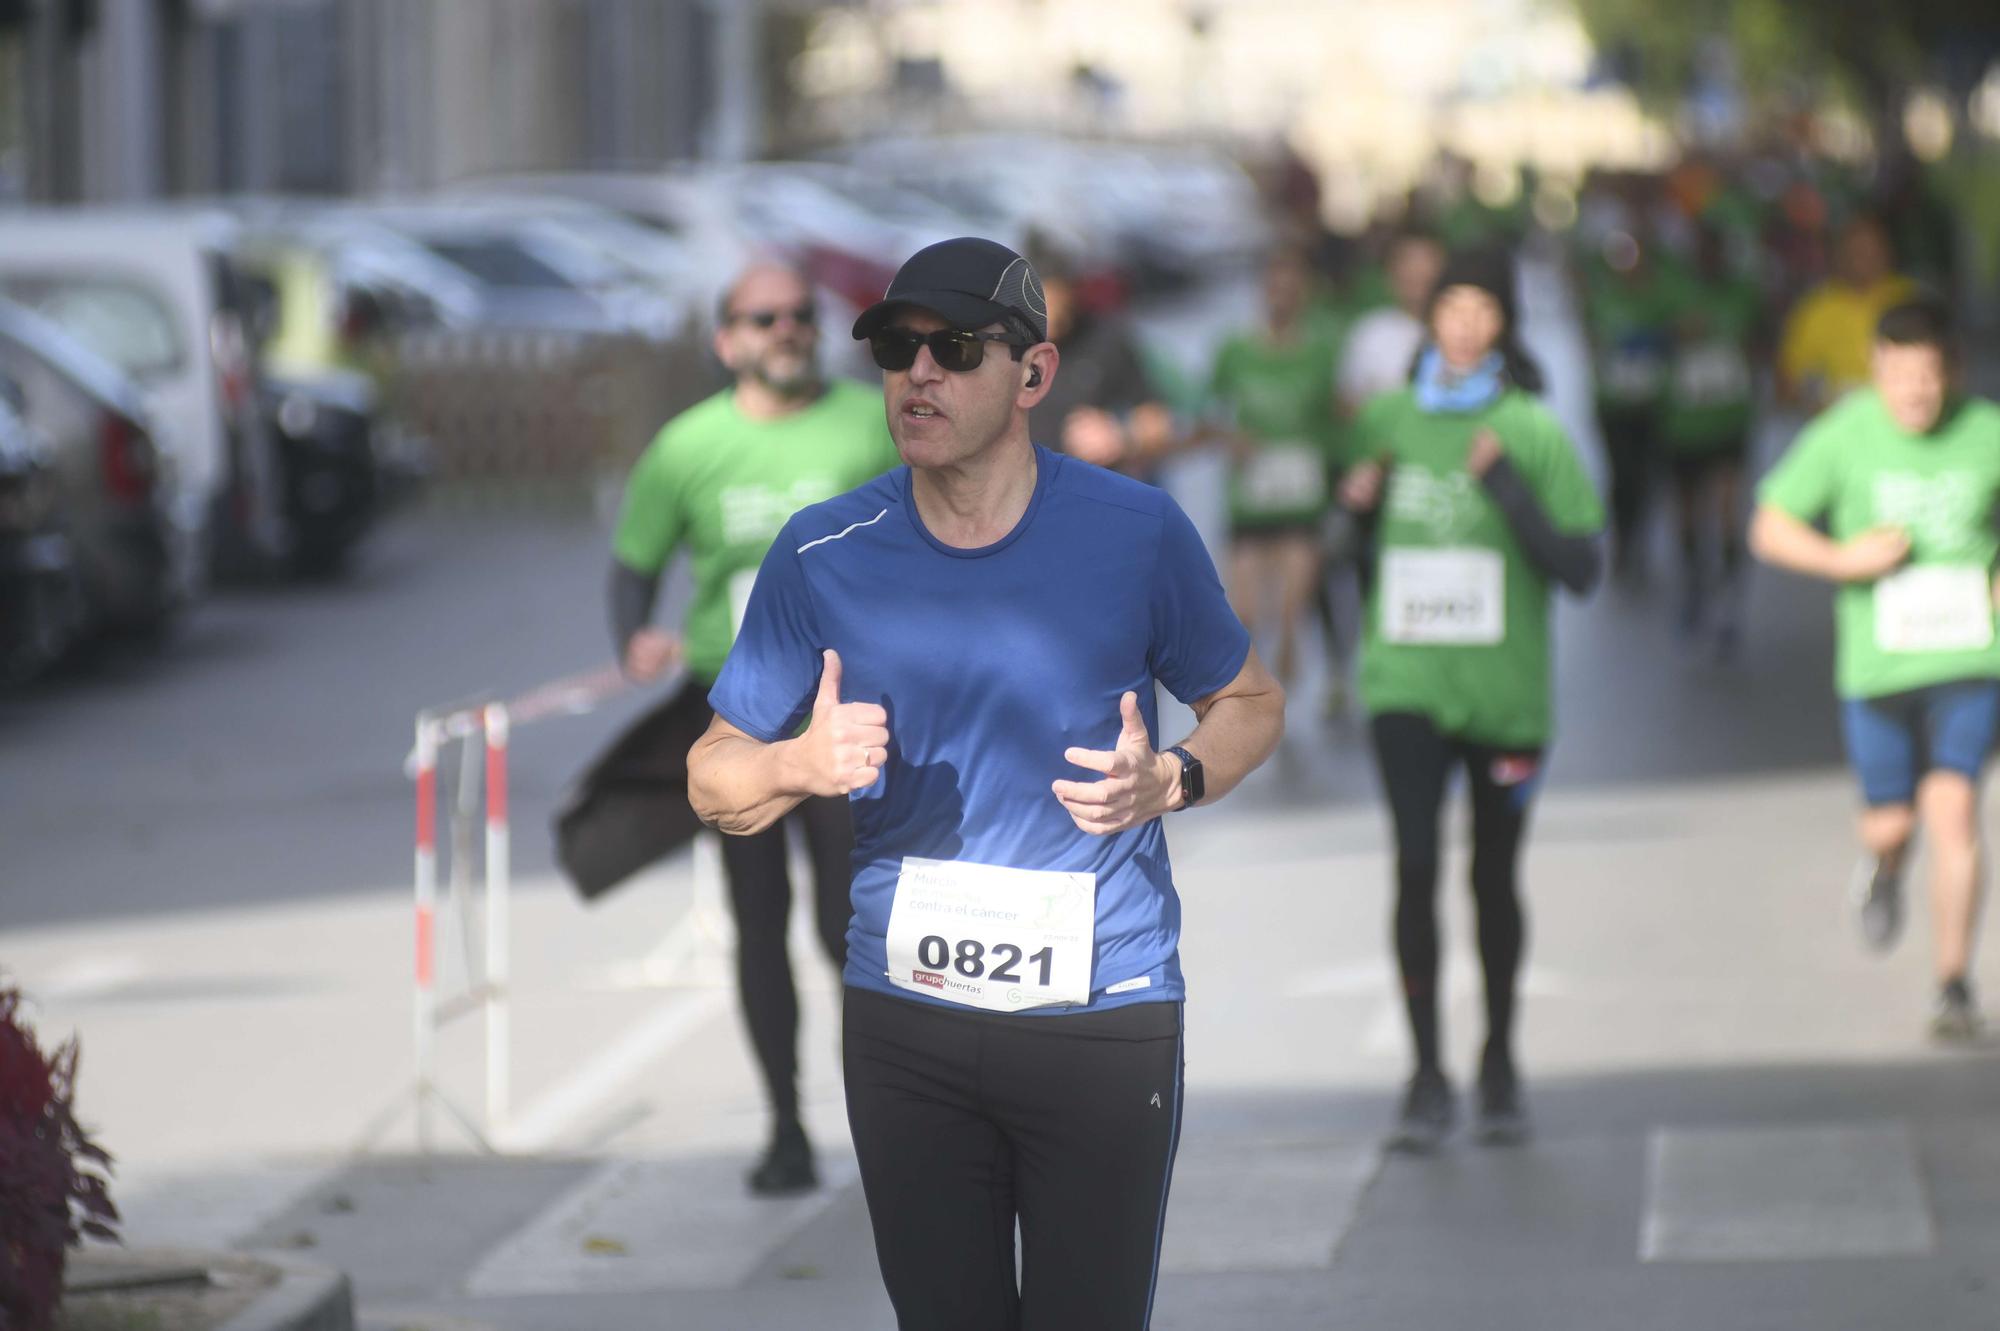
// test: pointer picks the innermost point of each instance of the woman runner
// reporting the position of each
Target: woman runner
(1481, 503)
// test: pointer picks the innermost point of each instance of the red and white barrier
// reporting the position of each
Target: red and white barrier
(492, 724)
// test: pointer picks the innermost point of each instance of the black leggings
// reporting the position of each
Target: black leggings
(1631, 449)
(965, 1122)
(1415, 762)
(760, 896)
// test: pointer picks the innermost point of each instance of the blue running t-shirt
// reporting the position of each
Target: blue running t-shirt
(991, 662)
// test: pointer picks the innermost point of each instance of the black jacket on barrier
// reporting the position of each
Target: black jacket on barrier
(630, 807)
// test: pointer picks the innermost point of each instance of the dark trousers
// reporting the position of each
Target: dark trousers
(1631, 450)
(965, 1122)
(1415, 761)
(760, 897)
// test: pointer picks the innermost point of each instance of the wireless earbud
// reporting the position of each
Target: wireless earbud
(1034, 376)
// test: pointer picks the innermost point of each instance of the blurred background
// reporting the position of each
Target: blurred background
(368, 243)
(330, 330)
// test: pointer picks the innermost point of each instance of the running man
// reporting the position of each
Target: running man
(1484, 505)
(720, 480)
(1274, 390)
(1384, 342)
(1629, 318)
(1906, 474)
(971, 644)
(1706, 424)
(1826, 350)
(1103, 408)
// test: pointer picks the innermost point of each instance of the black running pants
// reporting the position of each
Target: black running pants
(965, 1121)
(760, 897)
(1415, 762)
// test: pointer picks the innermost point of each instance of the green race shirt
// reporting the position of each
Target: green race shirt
(1855, 468)
(1457, 623)
(1711, 392)
(1281, 397)
(723, 485)
(1630, 335)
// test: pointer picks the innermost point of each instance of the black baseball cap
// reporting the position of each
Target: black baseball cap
(969, 283)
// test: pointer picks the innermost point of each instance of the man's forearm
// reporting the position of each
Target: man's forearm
(1234, 737)
(740, 785)
(1781, 540)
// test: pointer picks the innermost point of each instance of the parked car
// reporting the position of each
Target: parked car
(333, 481)
(109, 477)
(847, 236)
(523, 271)
(40, 609)
(322, 339)
(673, 205)
(157, 292)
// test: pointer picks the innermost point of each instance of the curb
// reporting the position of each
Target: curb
(307, 1297)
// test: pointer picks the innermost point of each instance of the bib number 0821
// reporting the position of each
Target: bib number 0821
(969, 959)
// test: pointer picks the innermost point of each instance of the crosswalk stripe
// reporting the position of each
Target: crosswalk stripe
(1784, 1194)
(1275, 1207)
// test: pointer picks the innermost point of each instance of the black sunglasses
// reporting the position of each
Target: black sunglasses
(951, 348)
(805, 316)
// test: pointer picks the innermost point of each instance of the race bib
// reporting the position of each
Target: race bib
(991, 937)
(1284, 476)
(741, 584)
(1632, 374)
(1934, 608)
(1712, 374)
(1444, 598)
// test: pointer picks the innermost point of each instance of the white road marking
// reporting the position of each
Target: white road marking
(1264, 1206)
(1784, 1194)
(563, 1107)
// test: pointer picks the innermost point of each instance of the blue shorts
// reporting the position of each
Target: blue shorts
(1895, 739)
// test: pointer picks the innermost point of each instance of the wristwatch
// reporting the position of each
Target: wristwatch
(1192, 785)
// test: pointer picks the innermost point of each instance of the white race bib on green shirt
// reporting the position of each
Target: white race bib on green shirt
(1632, 374)
(1711, 374)
(991, 937)
(1934, 608)
(1284, 476)
(1454, 597)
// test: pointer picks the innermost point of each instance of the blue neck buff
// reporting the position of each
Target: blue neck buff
(1440, 390)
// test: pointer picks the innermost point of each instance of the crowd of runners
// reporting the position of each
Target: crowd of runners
(931, 622)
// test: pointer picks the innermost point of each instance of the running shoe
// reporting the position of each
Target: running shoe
(1878, 899)
(1427, 1114)
(787, 1167)
(1503, 1114)
(1956, 1019)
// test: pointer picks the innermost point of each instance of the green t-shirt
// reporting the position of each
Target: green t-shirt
(1631, 325)
(723, 485)
(1281, 398)
(1457, 623)
(1711, 393)
(1855, 468)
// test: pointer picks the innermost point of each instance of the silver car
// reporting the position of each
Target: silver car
(110, 478)
(40, 611)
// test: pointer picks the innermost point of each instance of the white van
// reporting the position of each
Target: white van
(155, 292)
